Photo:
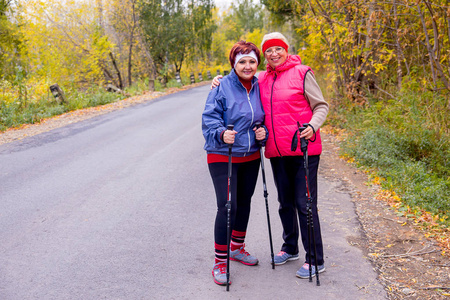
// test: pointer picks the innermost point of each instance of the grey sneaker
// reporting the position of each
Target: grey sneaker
(303, 272)
(219, 273)
(243, 256)
(283, 257)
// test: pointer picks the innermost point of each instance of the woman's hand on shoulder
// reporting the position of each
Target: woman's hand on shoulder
(215, 83)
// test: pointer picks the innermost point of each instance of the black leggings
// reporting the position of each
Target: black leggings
(289, 176)
(243, 181)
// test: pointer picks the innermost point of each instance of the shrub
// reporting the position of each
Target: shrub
(406, 141)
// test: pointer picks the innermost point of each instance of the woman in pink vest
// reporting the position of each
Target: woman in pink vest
(290, 94)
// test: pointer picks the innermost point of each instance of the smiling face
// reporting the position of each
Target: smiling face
(246, 67)
(275, 56)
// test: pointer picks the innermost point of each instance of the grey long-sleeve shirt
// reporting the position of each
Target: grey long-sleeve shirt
(315, 98)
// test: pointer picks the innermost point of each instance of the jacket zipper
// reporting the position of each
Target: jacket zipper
(271, 115)
(253, 116)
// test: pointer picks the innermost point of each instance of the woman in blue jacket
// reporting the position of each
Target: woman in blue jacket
(236, 101)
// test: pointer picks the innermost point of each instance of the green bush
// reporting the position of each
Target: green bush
(406, 141)
(395, 158)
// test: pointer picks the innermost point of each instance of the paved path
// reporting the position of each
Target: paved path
(122, 207)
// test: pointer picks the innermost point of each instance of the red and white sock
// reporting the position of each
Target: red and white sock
(237, 239)
(220, 253)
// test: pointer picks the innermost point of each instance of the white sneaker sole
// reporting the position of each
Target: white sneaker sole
(313, 274)
(289, 259)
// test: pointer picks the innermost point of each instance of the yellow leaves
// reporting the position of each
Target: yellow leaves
(379, 67)
(377, 180)
(423, 219)
(62, 41)
(255, 37)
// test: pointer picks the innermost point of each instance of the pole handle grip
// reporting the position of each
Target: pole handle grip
(230, 127)
(303, 141)
(260, 143)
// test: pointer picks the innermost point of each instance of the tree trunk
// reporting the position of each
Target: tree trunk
(100, 13)
(109, 75)
(436, 50)
(398, 46)
(150, 62)
(119, 77)
(369, 24)
(448, 32)
(130, 52)
(427, 43)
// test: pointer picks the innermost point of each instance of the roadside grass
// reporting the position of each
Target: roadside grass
(21, 110)
(405, 145)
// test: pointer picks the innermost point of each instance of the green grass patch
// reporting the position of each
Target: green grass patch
(14, 114)
(19, 112)
(22, 111)
(406, 142)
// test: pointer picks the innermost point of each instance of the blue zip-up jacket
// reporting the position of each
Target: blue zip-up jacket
(228, 104)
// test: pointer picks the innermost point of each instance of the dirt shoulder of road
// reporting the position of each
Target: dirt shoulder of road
(409, 265)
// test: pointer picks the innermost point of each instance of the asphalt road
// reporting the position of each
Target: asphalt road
(122, 207)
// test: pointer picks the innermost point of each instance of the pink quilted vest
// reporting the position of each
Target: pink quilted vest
(284, 102)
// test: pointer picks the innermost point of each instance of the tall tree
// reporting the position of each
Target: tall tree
(248, 15)
(123, 20)
(243, 17)
(66, 44)
(175, 30)
(10, 40)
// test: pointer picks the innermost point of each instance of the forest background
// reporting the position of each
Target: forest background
(384, 67)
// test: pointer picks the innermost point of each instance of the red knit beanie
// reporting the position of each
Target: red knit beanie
(274, 39)
(274, 42)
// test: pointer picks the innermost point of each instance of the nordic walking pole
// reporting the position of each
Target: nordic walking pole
(311, 236)
(229, 127)
(263, 173)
